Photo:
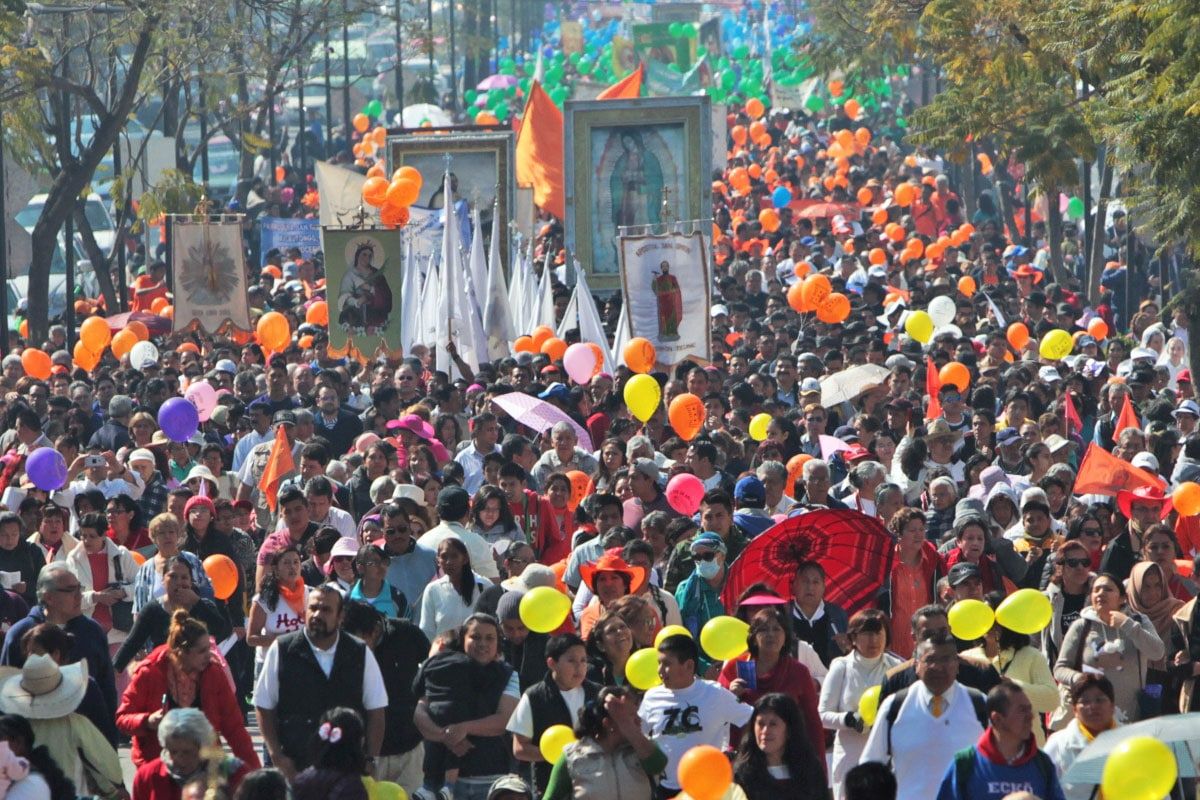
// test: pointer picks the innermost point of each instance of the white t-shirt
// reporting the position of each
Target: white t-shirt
(521, 721)
(266, 690)
(280, 619)
(679, 720)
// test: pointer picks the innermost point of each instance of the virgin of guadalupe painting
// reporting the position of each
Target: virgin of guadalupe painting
(364, 300)
(636, 184)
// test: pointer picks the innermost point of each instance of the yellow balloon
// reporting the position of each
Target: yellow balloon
(724, 638)
(554, 740)
(758, 426)
(641, 670)
(1025, 611)
(671, 630)
(642, 396)
(919, 326)
(971, 619)
(1056, 344)
(543, 609)
(1139, 768)
(868, 704)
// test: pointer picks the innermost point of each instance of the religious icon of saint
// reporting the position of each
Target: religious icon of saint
(669, 300)
(364, 296)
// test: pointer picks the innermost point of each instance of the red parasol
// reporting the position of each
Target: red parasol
(855, 550)
(830, 210)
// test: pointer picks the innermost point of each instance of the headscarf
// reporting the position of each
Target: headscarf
(1160, 613)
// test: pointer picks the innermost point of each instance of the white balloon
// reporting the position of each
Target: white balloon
(942, 310)
(142, 354)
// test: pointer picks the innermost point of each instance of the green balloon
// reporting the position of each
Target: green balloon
(554, 75)
(689, 31)
(728, 80)
(574, 59)
(524, 84)
(741, 52)
(814, 103)
(373, 108)
(509, 70)
(470, 95)
(584, 66)
(901, 123)
(507, 62)
(1075, 208)
(676, 30)
(559, 95)
(750, 85)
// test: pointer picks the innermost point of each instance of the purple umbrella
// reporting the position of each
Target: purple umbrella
(539, 415)
(497, 82)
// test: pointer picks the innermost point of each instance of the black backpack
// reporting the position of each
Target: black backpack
(977, 700)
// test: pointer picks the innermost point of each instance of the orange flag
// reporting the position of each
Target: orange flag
(1101, 472)
(540, 151)
(1128, 418)
(628, 87)
(933, 382)
(279, 465)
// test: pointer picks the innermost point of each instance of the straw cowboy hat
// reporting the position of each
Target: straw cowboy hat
(44, 690)
(940, 429)
(611, 561)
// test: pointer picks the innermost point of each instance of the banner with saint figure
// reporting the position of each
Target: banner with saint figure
(209, 269)
(362, 278)
(666, 284)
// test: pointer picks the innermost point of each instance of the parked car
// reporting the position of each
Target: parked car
(103, 227)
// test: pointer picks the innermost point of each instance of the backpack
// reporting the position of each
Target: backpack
(964, 768)
(977, 700)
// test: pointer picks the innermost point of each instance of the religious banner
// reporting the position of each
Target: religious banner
(363, 274)
(209, 269)
(572, 36)
(665, 279)
(282, 233)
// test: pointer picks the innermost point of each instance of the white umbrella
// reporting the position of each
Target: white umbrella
(1180, 732)
(415, 115)
(850, 383)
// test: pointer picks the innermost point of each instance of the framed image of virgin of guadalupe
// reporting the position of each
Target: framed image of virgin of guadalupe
(362, 277)
(632, 165)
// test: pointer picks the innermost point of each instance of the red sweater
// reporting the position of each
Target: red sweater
(144, 696)
(791, 678)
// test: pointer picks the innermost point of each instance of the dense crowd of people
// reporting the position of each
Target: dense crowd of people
(374, 624)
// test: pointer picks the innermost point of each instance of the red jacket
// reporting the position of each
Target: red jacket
(152, 782)
(144, 696)
(989, 573)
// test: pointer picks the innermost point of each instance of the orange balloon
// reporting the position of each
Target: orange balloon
(865, 196)
(137, 557)
(966, 285)
(540, 334)
(36, 364)
(967, 228)
(139, 330)
(168, 312)
(95, 334)
(306, 341)
(1187, 499)
(845, 140)
(639, 354)
(757, 129)
(795, 465)
(158, 305)
(880, 216)
(754, 108)
(374, 191)
(273, 331)
(834, 309)
(524, 344)
(862, 137)
(555, 348)
(23, 329)
(393, 216)
(802, 269)
(223, 574)
(686, 415)
(1018, 335)
(402, 192)
(755, 171)
(379, 136)
(705, 773)
(738, 134)
(376, 171)
(84, 358)
(848, 246)
(836, 87)
(816, 289)
(409, 173)
(916, 246)
(897, 234)
(361, 123)
(581, 487)
(1098, 329)
(852, 107)
(318, 313)
(877, 256)
(905, 194)
(123, 342)
(956, 374)
(795, 297)
(769, 219)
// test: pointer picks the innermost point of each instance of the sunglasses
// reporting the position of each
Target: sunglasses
(706, 556)
(1076, 562)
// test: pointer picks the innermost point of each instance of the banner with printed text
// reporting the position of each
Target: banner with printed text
(209, 269)
(282, 233)
(666, 283)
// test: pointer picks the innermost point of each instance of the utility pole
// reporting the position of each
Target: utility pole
(346, 70)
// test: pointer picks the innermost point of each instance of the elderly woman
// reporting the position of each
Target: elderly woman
(182, 673)
(185, 735)
(167, 534)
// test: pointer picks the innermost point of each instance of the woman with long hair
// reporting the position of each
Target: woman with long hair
(611, 757)
(182, 673)
(447, 601)
(339, 759)
(375, 465)
(125, 526)
(609, 646)
(775, 758)
(866, 665)
(371, 567)
(612, 459)
(46, 780)
(279, 606)
(492, 517)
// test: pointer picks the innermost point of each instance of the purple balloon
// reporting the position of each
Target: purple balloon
(47, 469)
(178, 419)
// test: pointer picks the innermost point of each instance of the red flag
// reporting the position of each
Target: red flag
(933, 383)
(628, 87)
(1127, 419)
(1101, 472)
(1074, 423)
(539, 152)
(279, 465)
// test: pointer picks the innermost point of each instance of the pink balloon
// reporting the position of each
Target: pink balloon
(684, 493)
(580, 362)
(202, 395)
(286, 194)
